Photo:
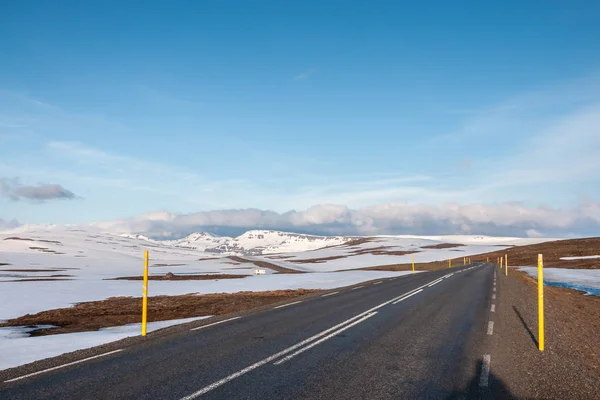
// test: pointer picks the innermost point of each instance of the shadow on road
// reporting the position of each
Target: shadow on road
(531, 335)
(496, 389)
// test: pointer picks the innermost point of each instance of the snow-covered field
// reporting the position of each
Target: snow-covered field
(384, 250)
(43, 269)
(54, 267)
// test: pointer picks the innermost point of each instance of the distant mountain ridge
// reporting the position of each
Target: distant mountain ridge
(251, 243)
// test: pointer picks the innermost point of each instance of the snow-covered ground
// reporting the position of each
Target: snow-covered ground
(579, 258)
(56, 267)
(17, 348)
(586, 280)
(77, 265)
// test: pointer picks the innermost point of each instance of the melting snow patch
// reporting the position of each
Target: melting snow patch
(17, 348)
(579, 258)
(587, 280)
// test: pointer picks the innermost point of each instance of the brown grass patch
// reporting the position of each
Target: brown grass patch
(167, 265)
(279, 257)
(115, 311)
(173, 277)
(552, 251)
(317, 260)
(40, 280)
(32, 270)
(442, 246)
(18, 238)
(265, 264)
(432, 266)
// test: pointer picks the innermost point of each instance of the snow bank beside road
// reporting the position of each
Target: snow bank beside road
(587, 280)
(17, 348)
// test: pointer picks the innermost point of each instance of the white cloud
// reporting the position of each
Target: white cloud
(391, 218)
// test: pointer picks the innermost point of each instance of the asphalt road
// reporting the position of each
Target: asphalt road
(413, 337)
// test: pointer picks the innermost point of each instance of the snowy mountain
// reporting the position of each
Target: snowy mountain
(198, 241)
(256, 242)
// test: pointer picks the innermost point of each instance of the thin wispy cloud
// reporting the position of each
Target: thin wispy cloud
(305, 75)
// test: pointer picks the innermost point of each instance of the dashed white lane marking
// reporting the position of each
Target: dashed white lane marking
(494, 288)
(484, 379)
(406, 297)
(358, 287)
(377, 283)
(490, 328)
(259, 364)
(288, 304)
(493, 308)
(330, 294)
(493, 297)
(214, 323)
(62, 366)
(313, 344)
(434, 282)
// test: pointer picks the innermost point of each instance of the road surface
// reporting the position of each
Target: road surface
(412, 337)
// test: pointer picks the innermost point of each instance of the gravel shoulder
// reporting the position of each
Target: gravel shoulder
(569, 368)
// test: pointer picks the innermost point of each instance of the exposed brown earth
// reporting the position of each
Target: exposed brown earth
(32, 270)
(115, 311)
(381, 250)
(317, 260)
(432, 266)
(569, 367)
(265, 264)
(279, 257)
(167, 265)
(18, 238)
(39, 280)
(172, 277)
(552, 251)
(442, 246)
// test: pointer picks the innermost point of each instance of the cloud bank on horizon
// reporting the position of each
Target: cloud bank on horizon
(509, 219)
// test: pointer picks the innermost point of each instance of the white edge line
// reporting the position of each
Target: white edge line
(313, 344)
(434, 283)
(494, 297)
(62, 366)
(288, 304)
(214, 323)
(377, 283)
(406, 297)
(330, 294)
(485, 371)
(490, 330)
(358, 287)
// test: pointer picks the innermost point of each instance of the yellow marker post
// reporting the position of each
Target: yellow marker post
(506, 264)
(541, 302)
(487, 259)
(449, 263)
(413, 262)
(145, 295)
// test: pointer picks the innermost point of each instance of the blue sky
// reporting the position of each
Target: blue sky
(113, 110)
